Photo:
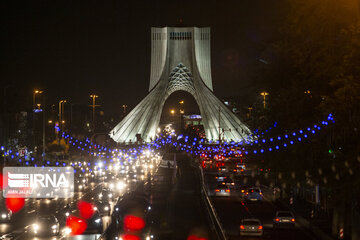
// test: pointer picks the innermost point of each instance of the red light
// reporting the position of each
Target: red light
(242, 227)
(86, 209)
(277, 220)
(14, 203)
(261, 169)
(193, 237)
(133, 223)
(77, 225)
(293, 219)
(1, 182)
(227, 190)
(130, 237)
(260, 227)
(217, 190)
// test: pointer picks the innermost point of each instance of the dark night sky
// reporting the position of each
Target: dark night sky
(73, 48)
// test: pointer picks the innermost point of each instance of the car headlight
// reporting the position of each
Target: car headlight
(67, 214)
(54, 226)
(67, 231)
(110, 195)
(97, 220)
(106, 208)
(36, 227)
(3, 215)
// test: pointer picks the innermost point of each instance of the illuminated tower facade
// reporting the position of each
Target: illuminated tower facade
(180, 60)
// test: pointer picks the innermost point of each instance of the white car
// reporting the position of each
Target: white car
(222, 191)
(251, 227)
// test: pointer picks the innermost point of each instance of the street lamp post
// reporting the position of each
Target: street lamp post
(264, 94)
(33, 110)
(182, 111)
(61, 109)
(93, 96)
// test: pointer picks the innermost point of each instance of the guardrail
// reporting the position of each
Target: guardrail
(217, 227)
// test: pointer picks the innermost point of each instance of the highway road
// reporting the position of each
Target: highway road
(231, 210)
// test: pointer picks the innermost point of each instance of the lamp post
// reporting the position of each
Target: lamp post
(182, 111)
(61, 109)
(35, 92)
(264, 94)
(124, 106)
(93, 96)
(250, 108)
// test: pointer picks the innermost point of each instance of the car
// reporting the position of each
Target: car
(228, 182)
(222, 191)
(238, 170)
(103, 207)
(244, 189)
(222, 169)
(251, 227)
(5, 214)
(106, 194)
(240, 165)
(255, 189)
(95, 223)
(45, 225)
(284, 219)
(220, 177)
(253, 195)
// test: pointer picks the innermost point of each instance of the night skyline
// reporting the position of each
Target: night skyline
(104, 48)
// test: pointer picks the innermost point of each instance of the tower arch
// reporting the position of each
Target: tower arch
(180, 63)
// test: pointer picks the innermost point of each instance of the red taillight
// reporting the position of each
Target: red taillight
(277, 220)
(293, 219)
(227, 190)
(242, 227)
(219, 169)
(260, 227)
(217, 190)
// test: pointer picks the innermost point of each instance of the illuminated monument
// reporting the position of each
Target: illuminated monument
(180, 60)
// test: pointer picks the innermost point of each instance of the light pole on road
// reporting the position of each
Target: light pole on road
(93, 96)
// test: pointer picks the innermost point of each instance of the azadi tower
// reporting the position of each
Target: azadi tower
(180, 60)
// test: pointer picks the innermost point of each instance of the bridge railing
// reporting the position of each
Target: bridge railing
(217, 228)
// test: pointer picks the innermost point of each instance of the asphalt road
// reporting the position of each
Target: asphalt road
(231, 210)
(19, 226)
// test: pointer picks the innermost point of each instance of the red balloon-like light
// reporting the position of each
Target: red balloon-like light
(133, 223)
(77, 225)
(86, 209)
(14, 203)
(130, 237)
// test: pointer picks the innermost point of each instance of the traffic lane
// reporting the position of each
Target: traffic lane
(188, 215)
(232, 210)
(55, 207)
